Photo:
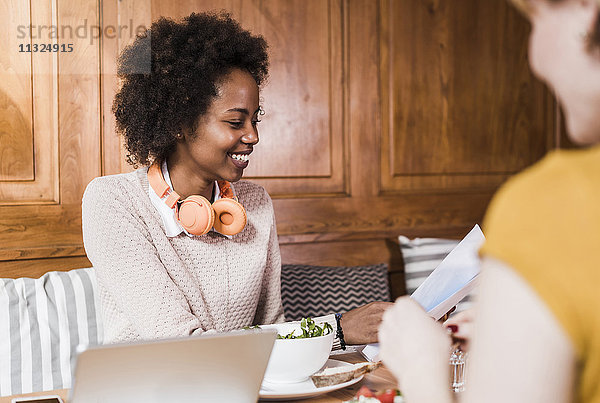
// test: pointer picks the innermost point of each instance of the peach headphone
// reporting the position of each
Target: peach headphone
(195, 214)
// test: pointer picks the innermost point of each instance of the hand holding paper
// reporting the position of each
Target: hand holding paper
(448, 284)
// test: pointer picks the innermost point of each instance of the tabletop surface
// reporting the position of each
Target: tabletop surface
(379, 380)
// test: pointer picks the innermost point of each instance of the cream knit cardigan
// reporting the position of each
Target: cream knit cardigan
(152, 286)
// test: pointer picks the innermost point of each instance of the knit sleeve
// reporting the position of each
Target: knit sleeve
(127, 264)
(270, 308)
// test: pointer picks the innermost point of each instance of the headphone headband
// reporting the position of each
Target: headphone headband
(196, 214)
(160, 186)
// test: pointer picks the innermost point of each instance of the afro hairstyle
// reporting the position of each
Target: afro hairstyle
(187, 61)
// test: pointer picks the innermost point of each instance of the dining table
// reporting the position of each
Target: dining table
(379, 380)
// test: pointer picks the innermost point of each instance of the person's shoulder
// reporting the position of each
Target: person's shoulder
(552, 182)
(544, 197)
(113, 186)
(582, 165)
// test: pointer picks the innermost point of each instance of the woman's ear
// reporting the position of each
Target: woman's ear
(183, 134)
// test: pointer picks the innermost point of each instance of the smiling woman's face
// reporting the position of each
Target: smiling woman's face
(220, 147)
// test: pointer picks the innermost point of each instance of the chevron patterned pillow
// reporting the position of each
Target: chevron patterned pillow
(321, 290)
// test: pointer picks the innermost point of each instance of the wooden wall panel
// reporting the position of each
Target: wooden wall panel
(42, 220)
(364, 103)
(385, 215)
(79, 81)
(16, 98)
(16, 134)
(313, 34)
(113, 159)
(383, 118)
(34, 268)
(28, 95)
(461, 108)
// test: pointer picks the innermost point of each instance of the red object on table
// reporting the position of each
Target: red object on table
(387, 396)
(365, 391)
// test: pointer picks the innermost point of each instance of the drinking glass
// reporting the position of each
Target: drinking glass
(458, 359)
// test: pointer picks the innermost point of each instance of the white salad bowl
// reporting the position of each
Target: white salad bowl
(294, 360)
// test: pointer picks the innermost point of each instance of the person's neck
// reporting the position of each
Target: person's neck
(186, 181)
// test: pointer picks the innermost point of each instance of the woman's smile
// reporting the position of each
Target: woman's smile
(240, 158)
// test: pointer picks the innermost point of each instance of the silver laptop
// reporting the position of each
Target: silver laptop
(212, 368)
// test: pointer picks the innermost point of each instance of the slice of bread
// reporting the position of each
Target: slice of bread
(337, 375)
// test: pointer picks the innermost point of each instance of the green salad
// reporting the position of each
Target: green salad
(308, 327)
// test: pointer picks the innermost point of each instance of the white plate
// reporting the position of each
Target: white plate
(302, 390)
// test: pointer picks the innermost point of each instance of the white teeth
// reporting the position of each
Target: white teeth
(240, 157)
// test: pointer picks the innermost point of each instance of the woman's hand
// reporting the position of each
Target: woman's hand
(461, 328)
(360, 325)
(416, 349)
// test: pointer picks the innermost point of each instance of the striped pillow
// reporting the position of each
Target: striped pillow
(421, 257)
(41, 323)
(318, 290)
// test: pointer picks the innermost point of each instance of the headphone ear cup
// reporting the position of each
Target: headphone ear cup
(196, 215)
(230, 216)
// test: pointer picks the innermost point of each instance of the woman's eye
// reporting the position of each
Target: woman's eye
(236, 124)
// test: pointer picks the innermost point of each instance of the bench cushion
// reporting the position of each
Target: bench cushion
(41, 323)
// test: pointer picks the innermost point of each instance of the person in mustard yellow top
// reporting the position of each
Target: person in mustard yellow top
(536, 327)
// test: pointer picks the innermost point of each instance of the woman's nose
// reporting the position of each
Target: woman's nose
(251, 136)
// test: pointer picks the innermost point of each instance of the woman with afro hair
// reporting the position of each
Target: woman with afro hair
(182, 246)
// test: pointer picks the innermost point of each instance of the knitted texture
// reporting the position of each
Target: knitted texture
(152, 286)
